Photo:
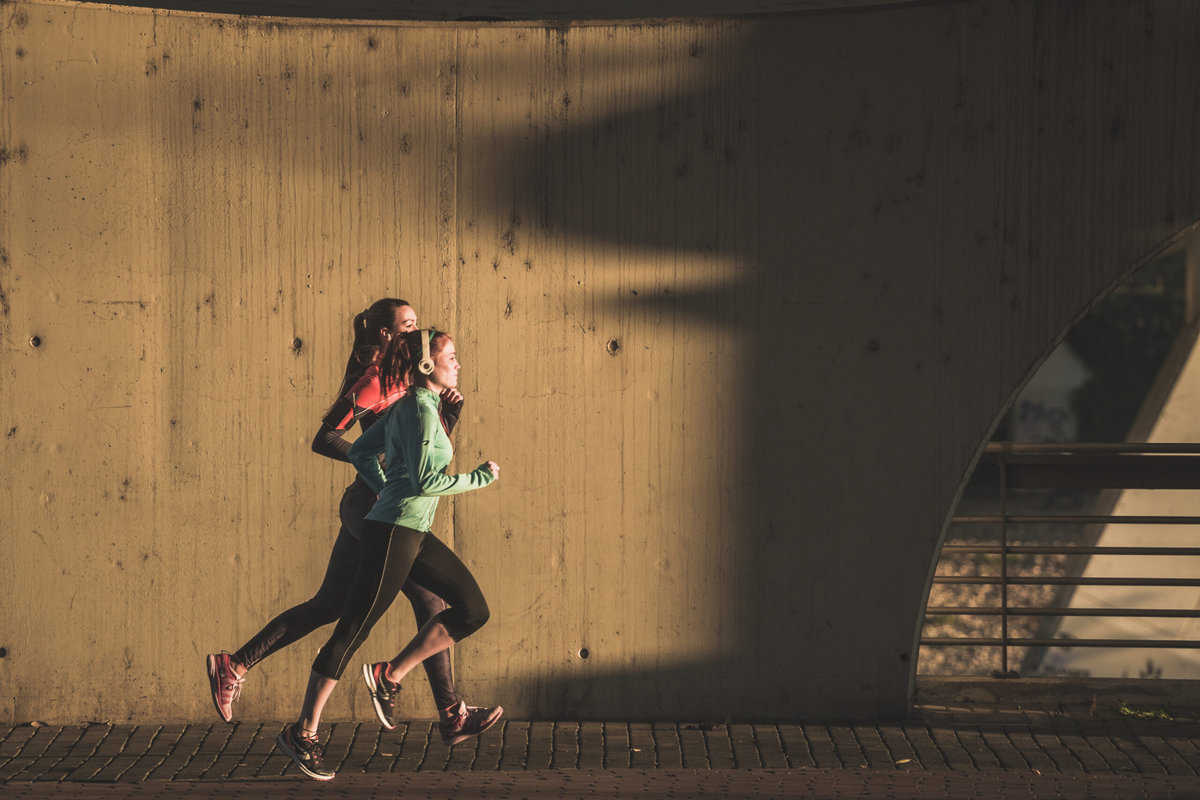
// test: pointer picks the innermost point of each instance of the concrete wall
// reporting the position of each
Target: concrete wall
(737, 300)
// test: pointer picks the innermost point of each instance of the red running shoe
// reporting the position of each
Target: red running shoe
(225, 684)
(461, 722)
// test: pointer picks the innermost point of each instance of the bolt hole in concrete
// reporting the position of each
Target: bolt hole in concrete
(3, 652)
(297, 345)
(613, 346)
(35, 341)
(583, 652)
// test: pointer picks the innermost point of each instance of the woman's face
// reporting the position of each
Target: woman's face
(445, 366)
(403, 320)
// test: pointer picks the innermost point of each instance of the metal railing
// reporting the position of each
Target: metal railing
(1073, 466)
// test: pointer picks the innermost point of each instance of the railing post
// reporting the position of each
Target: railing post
(1003, 566)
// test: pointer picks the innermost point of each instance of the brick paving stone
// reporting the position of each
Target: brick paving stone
(899, 748)
(1186, 750)
(820, 744)
(849, 748)
(642, 751)
(1006, 752)
(257, 752)
(1039, 761)
(928, 755)
(464, 754)
(1089, 757)
(55, 753)
(743, 746)
(1172, 762)
(948, 745)
(668, 752)
(487, 756)
(15, 740)
(796, 747)
(83, 748)
(770, 746)
(412, 749)
(591, 745)
(972, 743)
(31, 749)
(207, 752)
(616, 745)
(386, 748)
(541, 744)
(717, 747)
(565, 745)
(362, 746)
(437, 752)
(342, 736)
(1063, 758)
(154, 755)
(514, 745)
(232, 755)
(693, 751)
(873, 747)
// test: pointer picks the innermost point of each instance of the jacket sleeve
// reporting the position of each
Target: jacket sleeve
(364, 455)
(430, 482)
(329, 440)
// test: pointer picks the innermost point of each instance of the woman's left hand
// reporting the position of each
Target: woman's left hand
(452, 397)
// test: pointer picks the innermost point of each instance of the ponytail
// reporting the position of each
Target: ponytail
(366, 344)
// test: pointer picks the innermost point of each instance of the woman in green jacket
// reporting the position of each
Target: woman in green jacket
(397, 544)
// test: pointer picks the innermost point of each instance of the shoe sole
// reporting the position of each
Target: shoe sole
(281, 740)
(214, 686)
(462, 737)
(372, 688)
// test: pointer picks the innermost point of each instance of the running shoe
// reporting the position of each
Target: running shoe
(461, 722)
(383, 693)
(225, 684)
(305, 751)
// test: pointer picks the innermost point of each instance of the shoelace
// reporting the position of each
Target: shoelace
(235, 686)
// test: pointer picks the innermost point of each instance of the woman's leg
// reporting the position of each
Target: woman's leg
(425, 605)
(298, 621)
(226, 672)
(439, 570)
(387, 555)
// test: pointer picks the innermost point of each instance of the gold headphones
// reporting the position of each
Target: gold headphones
(425, 365)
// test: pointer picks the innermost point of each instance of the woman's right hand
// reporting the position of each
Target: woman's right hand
(493, 468)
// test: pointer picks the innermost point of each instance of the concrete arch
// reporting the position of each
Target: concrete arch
(741, 297)
(1176, 241)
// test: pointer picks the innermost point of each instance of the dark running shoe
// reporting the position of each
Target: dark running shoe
(305, 751)
(383, 693)
(225, 684)
(461, 722)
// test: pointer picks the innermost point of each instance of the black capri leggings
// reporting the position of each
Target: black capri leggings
(390, 555)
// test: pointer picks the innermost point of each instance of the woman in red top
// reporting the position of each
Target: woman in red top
(363, 398)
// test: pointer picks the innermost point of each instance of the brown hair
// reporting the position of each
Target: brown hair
(398, 365)
(367, 344)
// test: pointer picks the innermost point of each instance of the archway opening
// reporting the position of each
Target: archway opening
(1074, 550)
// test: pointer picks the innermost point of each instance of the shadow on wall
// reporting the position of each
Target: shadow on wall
(806, 190)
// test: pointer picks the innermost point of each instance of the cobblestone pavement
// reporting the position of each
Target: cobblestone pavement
(940, 752)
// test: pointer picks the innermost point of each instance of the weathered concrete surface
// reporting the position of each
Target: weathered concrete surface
(738, 302)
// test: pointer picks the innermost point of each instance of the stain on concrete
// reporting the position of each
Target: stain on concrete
(20, 52)
(508, 309)
(18, 153)
(405, 144)
(11, 432)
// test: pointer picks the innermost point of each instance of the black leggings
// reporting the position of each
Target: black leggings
(326, 605)
(391, 556)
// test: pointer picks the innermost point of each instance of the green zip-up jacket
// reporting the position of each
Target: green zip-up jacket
(417, 451)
